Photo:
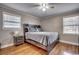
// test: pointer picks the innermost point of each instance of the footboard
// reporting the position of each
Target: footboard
(50, 41)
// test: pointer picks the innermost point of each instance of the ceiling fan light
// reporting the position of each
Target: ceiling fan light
(43, 6)
(43, 9)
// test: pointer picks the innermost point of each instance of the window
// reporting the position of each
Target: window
(71, 25)
(11, 21)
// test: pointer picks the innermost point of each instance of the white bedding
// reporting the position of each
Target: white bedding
(38, 36)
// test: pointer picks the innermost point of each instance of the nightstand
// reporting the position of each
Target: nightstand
(18, 40)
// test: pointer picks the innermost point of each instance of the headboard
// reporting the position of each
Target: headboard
(32, 28)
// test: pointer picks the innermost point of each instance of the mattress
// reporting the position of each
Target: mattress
(40, 36)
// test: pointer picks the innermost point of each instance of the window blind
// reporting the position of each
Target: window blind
(11, 21)
(71, 25)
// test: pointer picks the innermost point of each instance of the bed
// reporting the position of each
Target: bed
(33, 34)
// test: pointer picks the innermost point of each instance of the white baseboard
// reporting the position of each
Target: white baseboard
(69, 42)
(4, 46)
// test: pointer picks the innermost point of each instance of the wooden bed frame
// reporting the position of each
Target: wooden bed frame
(47, 48)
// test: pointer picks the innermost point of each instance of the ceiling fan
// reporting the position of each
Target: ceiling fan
(44, 6)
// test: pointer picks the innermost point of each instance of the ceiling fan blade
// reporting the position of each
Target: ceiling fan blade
(52, 7)
(35, 5)
(31, 5)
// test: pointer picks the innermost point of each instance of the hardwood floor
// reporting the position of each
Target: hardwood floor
(65, 49)
(28, 49)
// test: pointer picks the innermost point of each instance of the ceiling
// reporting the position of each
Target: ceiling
(58, 8)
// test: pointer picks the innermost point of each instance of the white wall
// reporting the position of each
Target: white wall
(30, 19)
